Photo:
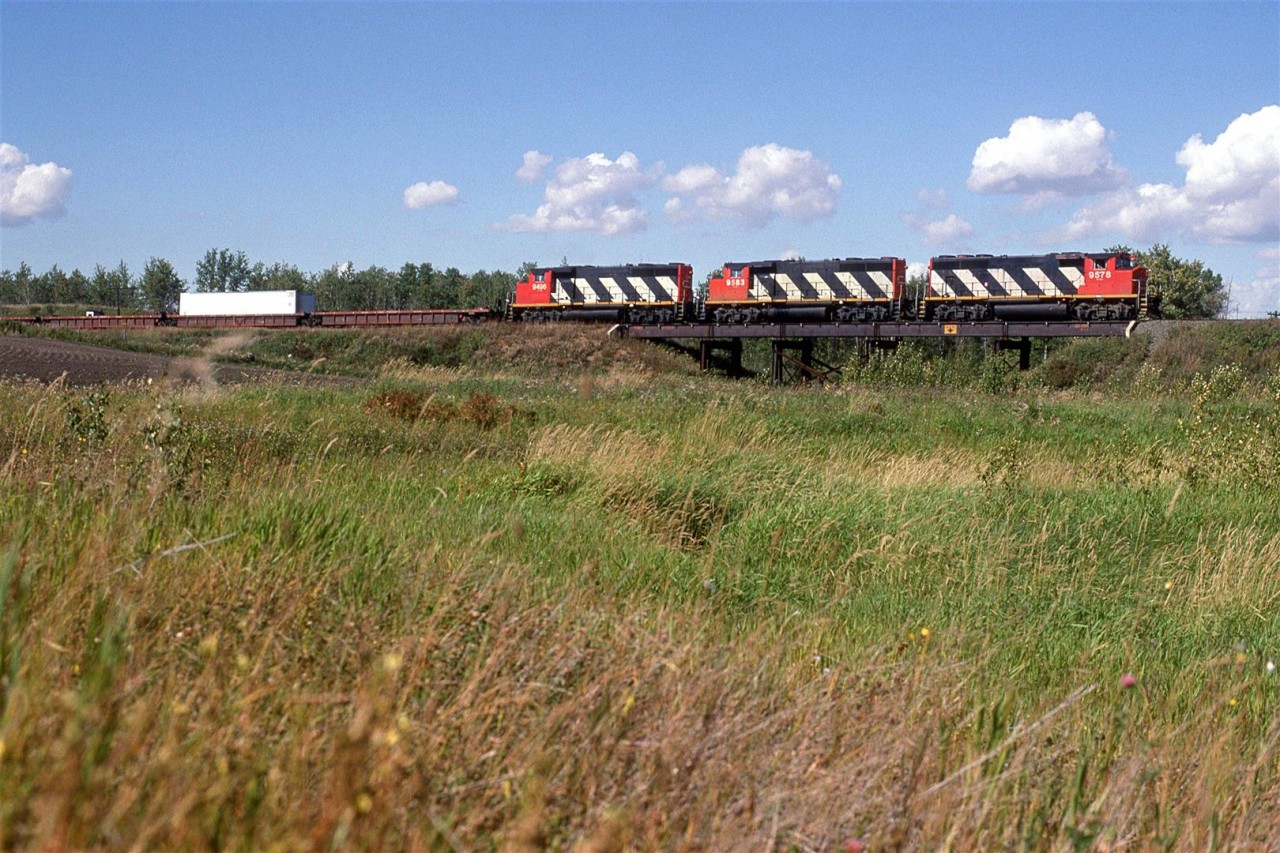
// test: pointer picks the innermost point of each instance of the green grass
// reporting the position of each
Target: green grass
(638, 612)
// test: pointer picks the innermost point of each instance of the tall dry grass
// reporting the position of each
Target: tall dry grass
(267, 619)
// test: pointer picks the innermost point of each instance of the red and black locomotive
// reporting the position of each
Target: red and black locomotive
(852, 290)
(634, 293)
(1071, 287)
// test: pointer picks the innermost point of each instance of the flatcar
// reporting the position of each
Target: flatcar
(842, 290)
(1068, 286)
(632, 293)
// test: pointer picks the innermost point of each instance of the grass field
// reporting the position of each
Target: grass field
(610, 605)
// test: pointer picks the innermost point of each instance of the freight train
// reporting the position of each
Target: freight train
(1070, 286)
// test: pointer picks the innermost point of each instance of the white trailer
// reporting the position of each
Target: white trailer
(249, 302)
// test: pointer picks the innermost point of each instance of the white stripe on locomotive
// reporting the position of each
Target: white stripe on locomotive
(760, 289)
(648, 289)
(816, 281)
(1036, 274)
(615, 292)
(851, 283)
(789, 287)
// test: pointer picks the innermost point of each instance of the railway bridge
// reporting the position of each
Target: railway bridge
(792, 343)
(714, 345)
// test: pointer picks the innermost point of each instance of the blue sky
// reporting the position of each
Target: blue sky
(482, 135)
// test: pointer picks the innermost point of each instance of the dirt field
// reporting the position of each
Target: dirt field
(46, 360)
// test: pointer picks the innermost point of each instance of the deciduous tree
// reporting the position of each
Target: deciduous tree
(1188, 289)
(278, 276)
(222, 271)
(161, 286)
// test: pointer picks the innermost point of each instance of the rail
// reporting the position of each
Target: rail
(325, 319)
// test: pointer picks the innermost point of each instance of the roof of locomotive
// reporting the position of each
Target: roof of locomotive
(841, 264)
(977, 261)
(619, 269)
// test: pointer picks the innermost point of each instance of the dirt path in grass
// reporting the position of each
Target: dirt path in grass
(45, 360)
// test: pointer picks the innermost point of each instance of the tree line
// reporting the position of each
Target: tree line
(1189, 289)
(339, 288)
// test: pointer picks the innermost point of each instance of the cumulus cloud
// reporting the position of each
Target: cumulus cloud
(934, 199)
(1231, 192)
(1047, 159)
(591, 193)
(917, 269)
(771, 181)
(947, 229)
(422, 194)
(1261, 295)
(535, 162)
(29, 191)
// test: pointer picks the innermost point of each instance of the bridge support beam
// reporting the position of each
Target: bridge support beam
(1022, 345)
(865, 348)
(803, 366)
(725, 354)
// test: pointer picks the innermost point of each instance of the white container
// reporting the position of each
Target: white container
(249, 302)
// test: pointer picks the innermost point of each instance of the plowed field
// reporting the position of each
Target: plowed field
(46, 360)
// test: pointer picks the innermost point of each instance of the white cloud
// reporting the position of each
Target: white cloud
(1231, 192)
(1262, 295)
(917, 269)
(535, 163)
(1243, 156)
(934, 199)
(1046, 159)
(949, 229)
(592, 193)
(771, 181)
(423, 194)
(11, 157)
(28, 191)
(791, 255)
(946, 230)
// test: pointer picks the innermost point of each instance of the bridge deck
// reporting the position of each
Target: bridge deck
(880, 331)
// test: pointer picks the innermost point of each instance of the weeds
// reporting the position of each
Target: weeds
(714, 616)
(480, 409)
(1005, 469)
(1228, 443)
(87, 417)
